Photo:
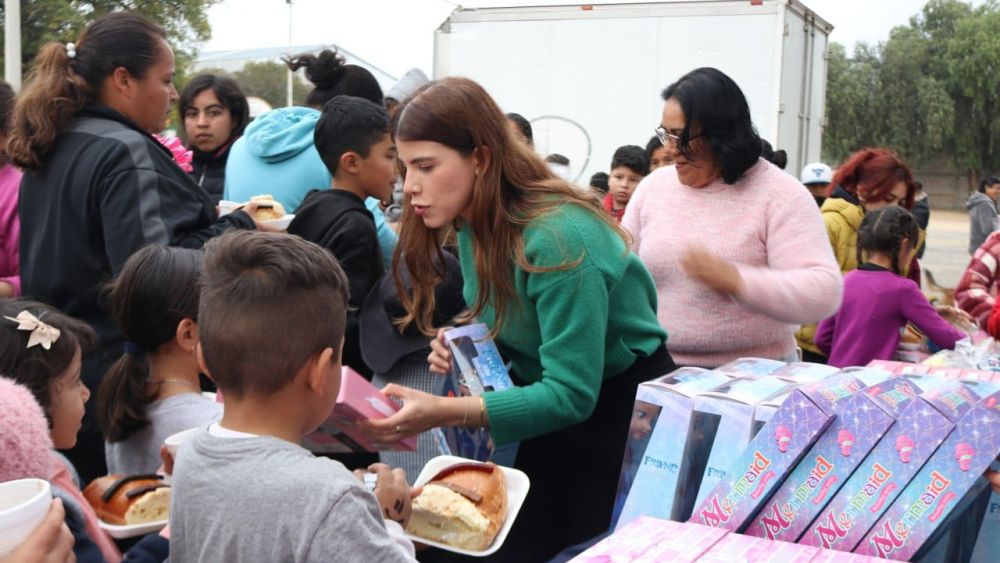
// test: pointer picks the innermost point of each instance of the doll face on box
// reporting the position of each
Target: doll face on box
(644, 417)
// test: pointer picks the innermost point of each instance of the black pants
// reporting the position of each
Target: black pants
(574, 472)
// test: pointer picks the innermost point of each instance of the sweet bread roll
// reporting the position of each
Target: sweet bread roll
(267, 208)
(124, 501)
(464, 505)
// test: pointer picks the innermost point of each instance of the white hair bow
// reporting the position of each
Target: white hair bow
(41, 333)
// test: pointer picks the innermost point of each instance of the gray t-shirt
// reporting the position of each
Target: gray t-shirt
(265, 499)
(140, 453)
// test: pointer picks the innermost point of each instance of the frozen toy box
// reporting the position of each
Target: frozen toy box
(655, 455)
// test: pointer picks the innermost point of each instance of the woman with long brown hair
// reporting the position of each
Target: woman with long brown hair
(551, 275)
(97, 186)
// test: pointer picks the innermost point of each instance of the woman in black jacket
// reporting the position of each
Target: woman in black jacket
(215, 113)
(97, 186)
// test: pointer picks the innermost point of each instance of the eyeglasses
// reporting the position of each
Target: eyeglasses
(667, 138)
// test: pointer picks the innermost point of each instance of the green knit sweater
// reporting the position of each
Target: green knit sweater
(571, 328)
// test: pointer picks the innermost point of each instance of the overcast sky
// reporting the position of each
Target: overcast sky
(396, 35)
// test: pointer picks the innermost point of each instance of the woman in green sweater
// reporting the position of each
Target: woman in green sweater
(551, 275)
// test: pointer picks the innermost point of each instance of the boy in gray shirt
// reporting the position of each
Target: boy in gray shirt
(271, 320)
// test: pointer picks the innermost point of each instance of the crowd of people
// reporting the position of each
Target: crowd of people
(127, 293)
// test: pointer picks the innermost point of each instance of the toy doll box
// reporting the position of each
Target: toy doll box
(658, 436)
(722, 425)
(736, 547)
(357, 400)
(663, 540)
(804, 372)
(931, 496)
(908, 444)
(775, 450)
(752, 367)
(862, 420)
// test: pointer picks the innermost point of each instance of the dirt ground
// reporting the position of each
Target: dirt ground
(947, 252)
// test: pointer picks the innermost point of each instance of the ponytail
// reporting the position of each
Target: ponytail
(149, 299)
(66, 77)
(883, 231)
(54, 93)
(123, 397)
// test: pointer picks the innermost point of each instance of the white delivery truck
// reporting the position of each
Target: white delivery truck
(589, 76)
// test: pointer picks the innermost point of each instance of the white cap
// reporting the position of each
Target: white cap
(816, 173)
(408, 84)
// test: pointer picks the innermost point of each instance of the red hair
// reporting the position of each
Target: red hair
(870, 174)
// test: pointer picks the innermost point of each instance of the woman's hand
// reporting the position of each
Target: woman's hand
(51, 542)
(955, 316)
(707, 268)
(421, 411)
(440, 356)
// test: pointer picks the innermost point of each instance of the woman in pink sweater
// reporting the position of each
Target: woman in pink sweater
(736, 247)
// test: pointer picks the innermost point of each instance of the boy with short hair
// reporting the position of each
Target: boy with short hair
(353, 140)
(629, 165)
(271, 322)
(659, 154)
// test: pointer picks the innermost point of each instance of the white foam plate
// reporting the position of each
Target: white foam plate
(122, 532)
(279, 224)
(517, 489)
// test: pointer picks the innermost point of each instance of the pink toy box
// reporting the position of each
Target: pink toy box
(862, 420)
(736, 547)
(917, 433)
(775, 450)
(637, 537)
(953, 471)
(357, 400)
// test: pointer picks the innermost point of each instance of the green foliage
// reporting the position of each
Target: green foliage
(185, 21)
(932, 89)
(269, 81)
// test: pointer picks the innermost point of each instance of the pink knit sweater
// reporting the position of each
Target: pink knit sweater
(768, 225)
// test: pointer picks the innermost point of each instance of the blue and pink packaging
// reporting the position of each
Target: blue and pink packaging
(988, 542)
(919, 430)
(953, 471)
(658, 438)
(722, 426)
(862, 420)
(737, 547)
(750, 367)
(776, 449)
(679, 542)
(804, 372)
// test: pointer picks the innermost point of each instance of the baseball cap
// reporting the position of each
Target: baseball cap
(816, 173)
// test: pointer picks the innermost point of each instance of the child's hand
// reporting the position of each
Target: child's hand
(954, 316)
(168, 461)
(994, 478)
(440, 356)
(51, 542)
(393, 493)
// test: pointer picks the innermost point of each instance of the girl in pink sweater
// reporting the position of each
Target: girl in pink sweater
(736, 247)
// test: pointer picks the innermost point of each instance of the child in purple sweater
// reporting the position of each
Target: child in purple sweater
(878, 301)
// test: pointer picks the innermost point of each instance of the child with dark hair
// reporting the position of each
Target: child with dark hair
(153, 391)
(879, 301)
(522, 128)
(659, 154)
(629, 166)
(41, 349)
(353, 140)
(599, 182)
(272, 315)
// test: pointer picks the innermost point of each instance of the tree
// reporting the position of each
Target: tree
(933, 88)
(268, 81)
(185, 21)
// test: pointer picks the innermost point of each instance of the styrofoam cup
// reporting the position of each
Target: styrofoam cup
(174, 441)
(23, 505)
